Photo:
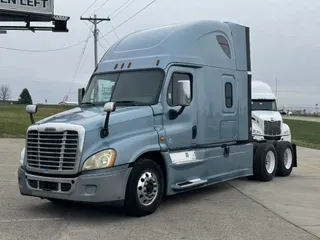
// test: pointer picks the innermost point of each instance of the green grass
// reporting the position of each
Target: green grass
(14, 121)
(305, 133)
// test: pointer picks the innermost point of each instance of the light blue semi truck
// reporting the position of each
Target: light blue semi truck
(167, 110)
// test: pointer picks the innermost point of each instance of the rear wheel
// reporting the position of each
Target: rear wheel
(265, 162)
(285, 158)
(145, 188)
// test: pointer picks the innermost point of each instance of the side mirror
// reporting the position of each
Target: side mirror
(181, 97)
(108, 108)
(183, 93)
(81, 92)
(31, 109)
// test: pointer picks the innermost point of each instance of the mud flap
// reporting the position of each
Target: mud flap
(295, 160)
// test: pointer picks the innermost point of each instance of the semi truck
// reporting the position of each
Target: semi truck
(267, 122)
(167, 110)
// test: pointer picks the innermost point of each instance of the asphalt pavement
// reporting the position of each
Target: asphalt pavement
(286, 208)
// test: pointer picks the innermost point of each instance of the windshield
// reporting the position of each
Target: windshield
(128, 88)
(263, 105)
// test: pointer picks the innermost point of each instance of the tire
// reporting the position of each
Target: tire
(285, 158)
(255, 145)
(138, 189)
(265, 171)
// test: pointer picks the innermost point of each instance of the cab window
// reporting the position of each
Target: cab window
(171, 94)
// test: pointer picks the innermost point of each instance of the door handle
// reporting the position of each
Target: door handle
(194, 132)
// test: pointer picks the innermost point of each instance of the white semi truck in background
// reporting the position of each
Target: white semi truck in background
(267, 122)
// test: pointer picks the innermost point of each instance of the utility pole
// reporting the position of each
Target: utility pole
(95, 21)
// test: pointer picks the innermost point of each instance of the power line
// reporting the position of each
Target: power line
(120, 11)
(102, 46)
(47, 50)
(119, 7)
(45, 82)
(80, 59)
(129, 19)
(124, 9)
(101, 6)
(89, 7)
(115, 32)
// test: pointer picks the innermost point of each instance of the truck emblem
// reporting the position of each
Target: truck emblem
(46, 170)
(48, 129)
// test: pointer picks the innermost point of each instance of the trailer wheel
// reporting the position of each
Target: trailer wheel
(265, 162)
(145, 189)
(285, 158)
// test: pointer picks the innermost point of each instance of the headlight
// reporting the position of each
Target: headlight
(22, 154)
(103, 159)
(254, 131)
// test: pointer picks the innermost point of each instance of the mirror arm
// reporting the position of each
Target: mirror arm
(31, 118)
(105, 130)
(173, 114)
(181, 110)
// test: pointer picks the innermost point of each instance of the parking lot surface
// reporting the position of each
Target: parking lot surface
(286, 208)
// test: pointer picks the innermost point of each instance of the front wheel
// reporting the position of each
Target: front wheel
(145, 188)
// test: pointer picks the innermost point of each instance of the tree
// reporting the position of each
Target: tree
(4, 93)
(25, 97)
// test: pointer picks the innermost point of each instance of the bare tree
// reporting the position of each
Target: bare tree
(4, 93)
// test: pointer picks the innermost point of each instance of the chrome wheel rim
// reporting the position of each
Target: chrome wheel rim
(270, 162)
(287, 158)
(148, 188)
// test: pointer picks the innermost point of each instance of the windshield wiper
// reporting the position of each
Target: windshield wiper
(88, 103)
(133, 103)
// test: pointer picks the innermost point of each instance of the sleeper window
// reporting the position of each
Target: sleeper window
(223, 42)
(172, 87)
(228, 95)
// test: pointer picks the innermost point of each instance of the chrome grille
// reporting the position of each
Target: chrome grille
(272, 128)
(52, 150)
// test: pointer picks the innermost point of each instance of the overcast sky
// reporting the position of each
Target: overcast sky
(285, 44)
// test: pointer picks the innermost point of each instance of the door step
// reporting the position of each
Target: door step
(189, 184)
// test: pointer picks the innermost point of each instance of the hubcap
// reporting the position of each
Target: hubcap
(270, 162)
(287, 158)
(147, 189)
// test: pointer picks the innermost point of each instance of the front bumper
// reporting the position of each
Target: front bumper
(107, 186)
(275, 138)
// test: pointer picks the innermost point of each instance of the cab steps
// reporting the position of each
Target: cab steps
(197, 182)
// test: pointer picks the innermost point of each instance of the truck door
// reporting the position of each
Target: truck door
(181, 132)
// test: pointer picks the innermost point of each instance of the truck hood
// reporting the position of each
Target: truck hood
(267, 115)
(94, 117)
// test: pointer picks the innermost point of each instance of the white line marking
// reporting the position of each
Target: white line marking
(31, 220)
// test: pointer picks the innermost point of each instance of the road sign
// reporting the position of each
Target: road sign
(45, 7)
(30, 11)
